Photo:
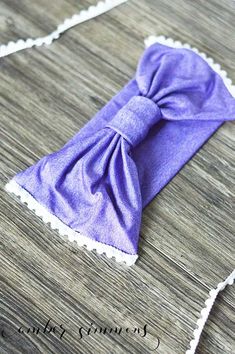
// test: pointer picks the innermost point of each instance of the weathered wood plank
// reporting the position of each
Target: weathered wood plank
(187, 243)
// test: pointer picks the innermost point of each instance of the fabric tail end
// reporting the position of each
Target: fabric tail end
(111, 252)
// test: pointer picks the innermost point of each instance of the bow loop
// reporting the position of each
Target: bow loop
(183, 85)
(135, 119)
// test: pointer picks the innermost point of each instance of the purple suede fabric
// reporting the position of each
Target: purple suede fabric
(99, 182)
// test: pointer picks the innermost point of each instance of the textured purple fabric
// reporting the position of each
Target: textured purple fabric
(101, 179)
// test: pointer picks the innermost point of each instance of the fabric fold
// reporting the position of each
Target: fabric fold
(99, 182)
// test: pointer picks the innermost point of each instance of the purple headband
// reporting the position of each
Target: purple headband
(94, 189)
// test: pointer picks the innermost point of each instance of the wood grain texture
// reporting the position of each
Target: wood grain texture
(187, 236)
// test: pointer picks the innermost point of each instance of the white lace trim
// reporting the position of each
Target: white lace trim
(177, 44)
(84, 15)
(206, 311)
(64, 230)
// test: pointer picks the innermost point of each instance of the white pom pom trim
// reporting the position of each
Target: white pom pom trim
(84, 15)
(206, 311)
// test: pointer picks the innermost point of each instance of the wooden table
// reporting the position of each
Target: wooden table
(187, 236)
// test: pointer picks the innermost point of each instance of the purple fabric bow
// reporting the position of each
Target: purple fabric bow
(98, 183)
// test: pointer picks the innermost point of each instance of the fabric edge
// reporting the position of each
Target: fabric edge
(111, 252)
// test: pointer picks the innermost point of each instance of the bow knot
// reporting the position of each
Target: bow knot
(134, 120)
